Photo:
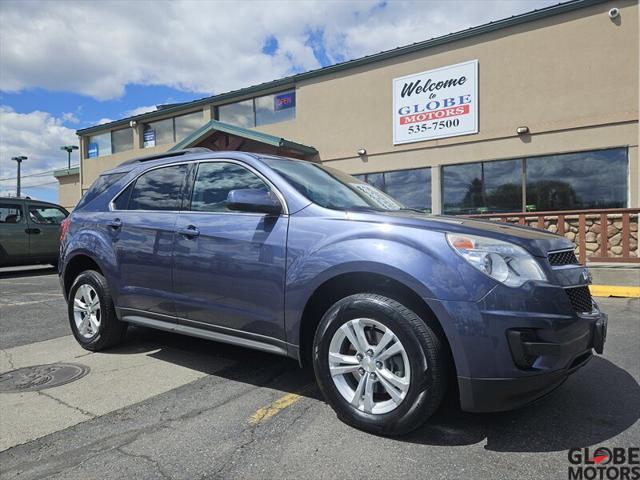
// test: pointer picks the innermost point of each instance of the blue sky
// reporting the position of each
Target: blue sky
(66, 65)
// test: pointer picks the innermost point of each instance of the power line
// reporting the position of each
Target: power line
(37, 174)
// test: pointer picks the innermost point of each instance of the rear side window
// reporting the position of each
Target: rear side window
(100, 185)
(46, 215)
(159, 189)
(10, 213)
(214, 181)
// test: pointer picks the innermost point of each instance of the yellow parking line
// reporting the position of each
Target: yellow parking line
(273, 408)
(614, 291)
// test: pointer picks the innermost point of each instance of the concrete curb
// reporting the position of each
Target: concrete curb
(614, 291)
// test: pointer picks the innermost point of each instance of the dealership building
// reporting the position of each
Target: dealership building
(534, 113)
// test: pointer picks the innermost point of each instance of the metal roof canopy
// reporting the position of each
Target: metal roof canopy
(289, 82)
(217, 126)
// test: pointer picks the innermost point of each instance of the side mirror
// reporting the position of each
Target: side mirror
(253, 200)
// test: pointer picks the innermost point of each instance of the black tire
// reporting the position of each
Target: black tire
(425, 351)
(111, 330)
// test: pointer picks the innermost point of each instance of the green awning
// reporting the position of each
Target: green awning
(217, 126)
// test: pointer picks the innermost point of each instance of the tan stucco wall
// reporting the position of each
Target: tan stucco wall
(572, 79)
(69, 191)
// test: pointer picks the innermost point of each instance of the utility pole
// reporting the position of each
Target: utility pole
(19, 160)
(69, 149)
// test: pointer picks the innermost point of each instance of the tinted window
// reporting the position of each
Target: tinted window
(482, 187)
(214, 181)
(331, 188)
(46, 215)
(10, 213)
(239, 113)
(122, 201)
(278, 107)
(122, 140)
(99, 145)
(596, 179)
(159, 189)
(187, 124)
(158, 133)
(100, 185)
(411, 187)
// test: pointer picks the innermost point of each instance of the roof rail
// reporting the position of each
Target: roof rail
(158, 156)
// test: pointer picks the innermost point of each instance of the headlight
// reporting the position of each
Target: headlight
(504, 261)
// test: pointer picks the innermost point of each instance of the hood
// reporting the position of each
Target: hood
(535, 241)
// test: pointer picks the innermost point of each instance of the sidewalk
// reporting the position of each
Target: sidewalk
(615, 279)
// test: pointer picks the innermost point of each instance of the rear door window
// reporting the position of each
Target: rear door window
(10, 213)
(158, 189)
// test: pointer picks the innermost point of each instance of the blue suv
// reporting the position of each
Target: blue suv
(391, 306)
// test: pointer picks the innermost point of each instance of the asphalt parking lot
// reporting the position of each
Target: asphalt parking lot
(165, 406)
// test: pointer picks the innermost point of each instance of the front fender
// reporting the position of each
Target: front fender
(421, 260)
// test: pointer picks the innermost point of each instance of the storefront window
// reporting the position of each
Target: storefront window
(484, 187)
(187, 124)
(99, 145)
(158, 133)
(596, 179)
(411, 187)
(122, 140)
(278, 107)
(239, 113)
(575, 181)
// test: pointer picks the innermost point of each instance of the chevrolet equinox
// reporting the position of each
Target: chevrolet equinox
(391, 306)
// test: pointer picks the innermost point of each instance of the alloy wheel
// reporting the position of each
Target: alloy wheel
(86, 311)
(369, 366)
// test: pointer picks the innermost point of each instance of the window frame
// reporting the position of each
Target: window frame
(113, 150)
(384, 182)
(54, 207)
(135, 179)
(260, 175)
(253, 105)
(187, 189)
(524, 179)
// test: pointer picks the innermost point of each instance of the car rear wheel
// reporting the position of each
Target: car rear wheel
(379, 365)
(91, 312)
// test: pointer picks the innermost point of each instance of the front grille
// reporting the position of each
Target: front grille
(565, 257)
(580, 298)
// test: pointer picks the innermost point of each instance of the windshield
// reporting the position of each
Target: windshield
(330, 188)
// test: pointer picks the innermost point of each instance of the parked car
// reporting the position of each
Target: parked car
(391, 306)
(29, 231)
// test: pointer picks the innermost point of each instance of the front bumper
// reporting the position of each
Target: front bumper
(531, 354)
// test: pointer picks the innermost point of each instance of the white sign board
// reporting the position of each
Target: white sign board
(436, 104)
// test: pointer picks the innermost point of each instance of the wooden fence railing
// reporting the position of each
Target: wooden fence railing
(604, 235)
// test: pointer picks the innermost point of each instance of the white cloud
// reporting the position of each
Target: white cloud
(39, 136)
(102, 121)
(97, 48)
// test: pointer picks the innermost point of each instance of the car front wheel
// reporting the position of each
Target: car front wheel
(379, 365)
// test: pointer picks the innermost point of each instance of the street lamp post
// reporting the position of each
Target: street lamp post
(69, 149)
(19, 160)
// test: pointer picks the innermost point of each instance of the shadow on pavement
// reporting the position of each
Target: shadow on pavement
(593, 405)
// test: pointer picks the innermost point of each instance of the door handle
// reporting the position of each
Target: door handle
(115, 223)
(32, 231)
(189, 232)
